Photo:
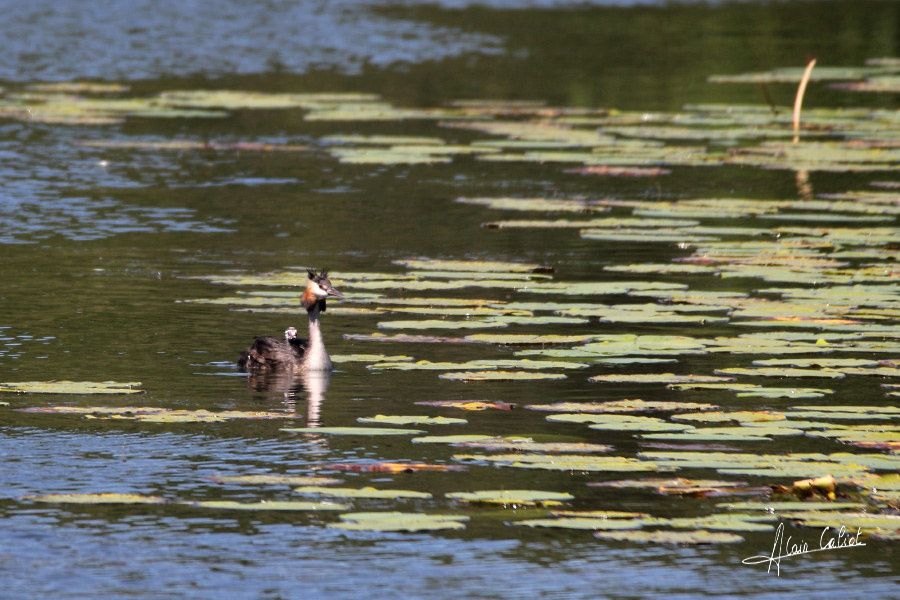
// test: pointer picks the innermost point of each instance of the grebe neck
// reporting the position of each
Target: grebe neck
(316, 356)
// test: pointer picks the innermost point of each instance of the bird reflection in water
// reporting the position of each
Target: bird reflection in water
(291, 385)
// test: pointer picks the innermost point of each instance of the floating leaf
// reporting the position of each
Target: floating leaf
(781, 372)
(500, 376)
(366, 492)
(620, 406)
(107, 498)
(617, 422)
(487, 364)
(412, 420)
(398, 521)
(657, 378)
(450, 439)
(737, 416)
(670, 537)
(353, 430)
(589, 523)
(525, 444)
(513, 497)
(792, 506)
(469, 404)
(274, 479)
(563, 462)
(149, 414)
(71, 387)
(368, 358)
(280, 505)
(392, 467)
(472, 265)
(699, 488)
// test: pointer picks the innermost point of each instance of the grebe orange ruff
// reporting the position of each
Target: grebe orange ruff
(270, 354)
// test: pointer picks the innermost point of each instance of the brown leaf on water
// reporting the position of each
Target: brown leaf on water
(469, 404)
(620, 171)
(819, 486)
(393, 467)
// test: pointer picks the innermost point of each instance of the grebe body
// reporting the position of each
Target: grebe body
(268, 353)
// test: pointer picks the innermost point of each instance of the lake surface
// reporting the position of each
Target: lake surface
(122, 260)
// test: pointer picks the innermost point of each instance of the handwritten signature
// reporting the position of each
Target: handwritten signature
(786, 548)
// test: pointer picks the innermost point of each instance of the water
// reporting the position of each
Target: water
(100, 248)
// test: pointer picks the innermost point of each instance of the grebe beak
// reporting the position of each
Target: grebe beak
(331, 291)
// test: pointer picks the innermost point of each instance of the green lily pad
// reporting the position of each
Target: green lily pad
(472, 265)
(275, 479)
(736, 416)
(412, 420)
(476, 405)
(828, 363)
(782, 372)
(724, 522)
(488, 364)
(450, 439)
(524, 444)
(792, 506)
(562, 462)
(398, 521)
(657, 378)
(588, 523)
(500, 376)
(353, 430)
(621, 406)
(280, 505)
(369, 358)
(150, 414)
(670, 537)
(366, 492)
(618, 422)
(71, 387)
(513, 497)
(108, 498)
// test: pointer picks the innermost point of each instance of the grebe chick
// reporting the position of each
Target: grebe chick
(292, 353)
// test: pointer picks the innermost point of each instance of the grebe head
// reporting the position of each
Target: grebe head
(318, 288)
(290, 333)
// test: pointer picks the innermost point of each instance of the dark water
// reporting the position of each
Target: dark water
(99, 247)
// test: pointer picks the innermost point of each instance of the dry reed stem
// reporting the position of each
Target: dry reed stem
(798, 100)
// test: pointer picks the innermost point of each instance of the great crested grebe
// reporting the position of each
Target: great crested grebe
(270, 353)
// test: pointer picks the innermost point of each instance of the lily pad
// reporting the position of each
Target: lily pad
(393, 467)
(369, 358)
(513, 497)
(562, 462)
(149, 414)
(670, 537)
(657, 378)
(500, 376)
(782, 372)
(792, 506)
(621, 406)
(477, 405)
(472, 265)
(71, 387)
(366, 492)
(280, 505)
(107, 498)
(398, 521)
(412, 420)
(275, 479)
(353, 430)
(618, 422)
(588, 523)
